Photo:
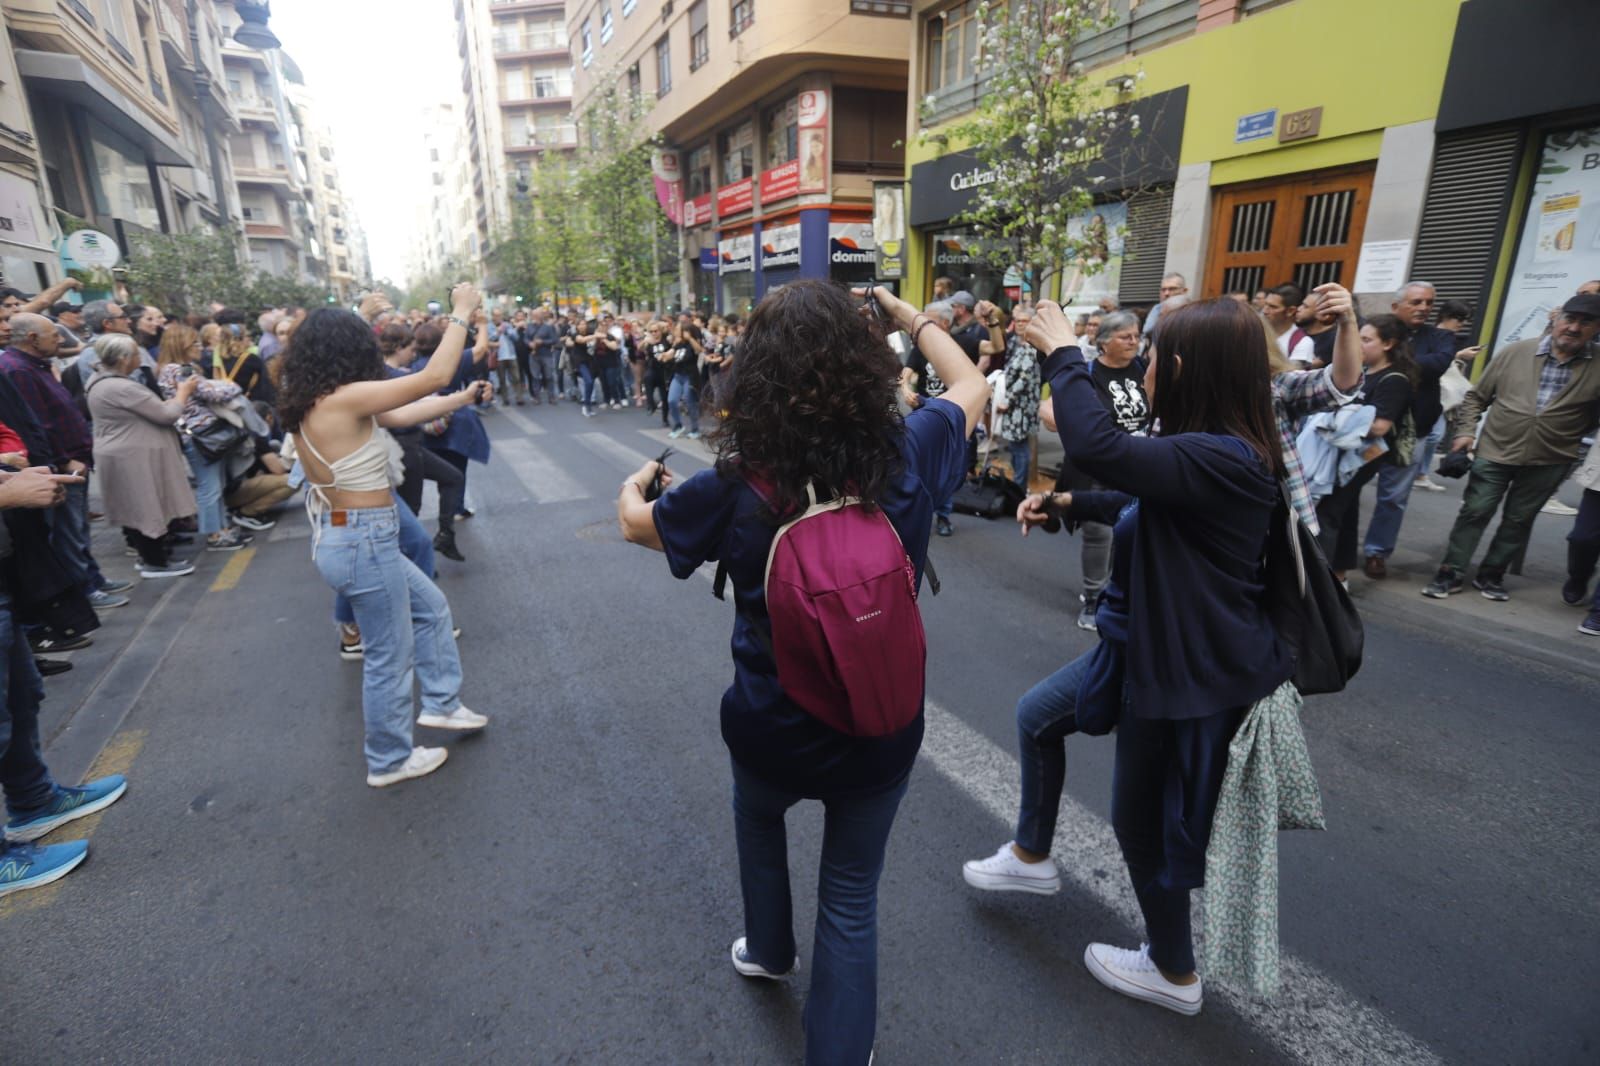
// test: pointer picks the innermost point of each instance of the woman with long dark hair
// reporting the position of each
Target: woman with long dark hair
(812, 410)
(1186, 646)
(1389, 386)
(336, 399)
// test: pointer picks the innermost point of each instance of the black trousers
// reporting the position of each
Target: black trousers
(152, 550)
(452, 491)
(1339, 515)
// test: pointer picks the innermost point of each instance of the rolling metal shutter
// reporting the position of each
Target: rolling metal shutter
(1465, 213)
(1145, 253)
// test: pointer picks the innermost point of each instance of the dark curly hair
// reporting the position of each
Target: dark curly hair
(1392, 330)
(813, 400)
(332, 347)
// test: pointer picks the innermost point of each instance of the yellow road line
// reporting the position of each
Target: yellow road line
(230, 575)
(117, 758)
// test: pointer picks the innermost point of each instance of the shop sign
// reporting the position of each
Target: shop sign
(19, 201)
(780, 246)
(943, 188)
(664, 166)
(850, 244)
(1300, 125)
(697, 212)
(889, 227)
(1257, 126)
(732, 199)
(1560, 244)
(737, 254)
(814, 141)
(708, 259)
(781, 182)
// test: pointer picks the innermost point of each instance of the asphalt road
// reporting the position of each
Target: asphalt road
(564, 889)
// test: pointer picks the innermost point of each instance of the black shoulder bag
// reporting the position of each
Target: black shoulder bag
(1310, 607)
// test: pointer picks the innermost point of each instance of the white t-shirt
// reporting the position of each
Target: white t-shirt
(1304, 351)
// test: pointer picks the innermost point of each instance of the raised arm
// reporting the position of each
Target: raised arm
(430, 407)
(964, 386)
(42, 302)
(365, 399)
(1345, 370)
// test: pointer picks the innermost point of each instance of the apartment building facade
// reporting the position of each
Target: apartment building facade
(147, 116)
(1255, 178)
(516, 85)
(776, 121)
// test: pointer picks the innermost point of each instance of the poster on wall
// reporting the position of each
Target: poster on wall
(736, 255)
(889, 227)
(814, 140)
(1560, 245)
(1098, 273)
(780, 246)
(669, 182)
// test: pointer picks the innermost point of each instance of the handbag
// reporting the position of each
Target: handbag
(1310, 607)
(218, 440)
(989, 495)
(1453, 387)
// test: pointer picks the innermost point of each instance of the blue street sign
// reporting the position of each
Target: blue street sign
(1255, 127)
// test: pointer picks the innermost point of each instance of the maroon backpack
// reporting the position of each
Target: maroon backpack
(847, 635)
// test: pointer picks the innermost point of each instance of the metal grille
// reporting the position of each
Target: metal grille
(1144, 254)
(1467, 203)
(1243, 279)
(1327, 221)
(1308, 276)
(1252, 226)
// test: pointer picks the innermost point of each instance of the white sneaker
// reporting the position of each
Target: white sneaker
(1427, 484)
(1004, 872)
(1133, 974)
(420, 763)
(460, 720)
(1556, 507)
(751, 968)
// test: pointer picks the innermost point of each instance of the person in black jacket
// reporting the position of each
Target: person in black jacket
(1186, 643)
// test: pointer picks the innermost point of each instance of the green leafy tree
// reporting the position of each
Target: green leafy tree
(186, 271)
(280, 290)
(434, 286)
(617, 187)
(514, 260)
(564, 254)
(1046, 132)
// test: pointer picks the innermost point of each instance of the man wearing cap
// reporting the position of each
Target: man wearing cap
(68, 318)
(1542, 396)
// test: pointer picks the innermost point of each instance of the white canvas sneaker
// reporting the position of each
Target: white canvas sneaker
(420, 763)
(751, 968)
(461, 720)
(1004, 872)
(1133, 974)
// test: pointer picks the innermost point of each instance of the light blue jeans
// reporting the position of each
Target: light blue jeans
(405, 626)
(415, 544)
(683, 390)
(208, 484)
(1394, 492)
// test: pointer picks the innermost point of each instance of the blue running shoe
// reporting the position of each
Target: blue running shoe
(31, 865)
(65, 806)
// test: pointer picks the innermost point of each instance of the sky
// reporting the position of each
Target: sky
(374, 68)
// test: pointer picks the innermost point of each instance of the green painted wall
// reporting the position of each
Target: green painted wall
(1368, 64)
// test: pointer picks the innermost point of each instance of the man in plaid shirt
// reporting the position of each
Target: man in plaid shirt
(1542, 396)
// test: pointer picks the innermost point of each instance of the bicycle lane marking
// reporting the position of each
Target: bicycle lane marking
(1312, 1020)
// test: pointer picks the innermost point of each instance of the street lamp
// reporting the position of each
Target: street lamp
(253, 31)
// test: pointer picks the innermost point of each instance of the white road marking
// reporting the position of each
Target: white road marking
(630, 459)
(695, 449)
(540, 474)
(521, 421)
(1312, 1020)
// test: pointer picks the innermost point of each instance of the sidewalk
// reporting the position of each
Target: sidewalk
(1535, 624)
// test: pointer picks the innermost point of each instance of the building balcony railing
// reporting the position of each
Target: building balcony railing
(255, 109)
(565, 137)
(538, 99)
(250, 174)
(519, 44)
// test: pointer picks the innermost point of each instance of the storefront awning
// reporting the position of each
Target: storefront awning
(71, 79)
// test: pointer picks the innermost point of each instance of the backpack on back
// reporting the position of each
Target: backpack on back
(847, 635)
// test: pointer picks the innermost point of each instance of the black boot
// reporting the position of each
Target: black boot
(444, 542)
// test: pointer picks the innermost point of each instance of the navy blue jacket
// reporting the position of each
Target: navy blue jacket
(1434, 349)
(1198, 637)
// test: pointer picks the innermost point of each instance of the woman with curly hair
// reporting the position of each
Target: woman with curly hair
(337, 398)
(812, 409)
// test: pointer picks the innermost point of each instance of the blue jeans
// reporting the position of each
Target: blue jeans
(586, 376)
(208, 484)
(405, 626)
(841, 1014)
(1394, 492)
(69, 533)
(546, 364)
(1021, 453)
(1046, 714)
(23, 775)
(683, 390)
(616, 392)
(415, 544)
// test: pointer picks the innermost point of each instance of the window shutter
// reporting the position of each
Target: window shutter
(1145, 251)
(1462, 218)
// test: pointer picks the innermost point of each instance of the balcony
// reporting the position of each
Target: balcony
(517, 7)
(255, 109)
(251, 174)
(510, 46)
(269, 231)
(540, 100)
(522, 142)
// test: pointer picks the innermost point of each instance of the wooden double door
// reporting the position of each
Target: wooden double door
(1304, 229)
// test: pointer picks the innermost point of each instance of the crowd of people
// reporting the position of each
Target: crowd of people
(1186, 428)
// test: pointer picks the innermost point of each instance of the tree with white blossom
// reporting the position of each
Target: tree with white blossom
(1048, 133)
